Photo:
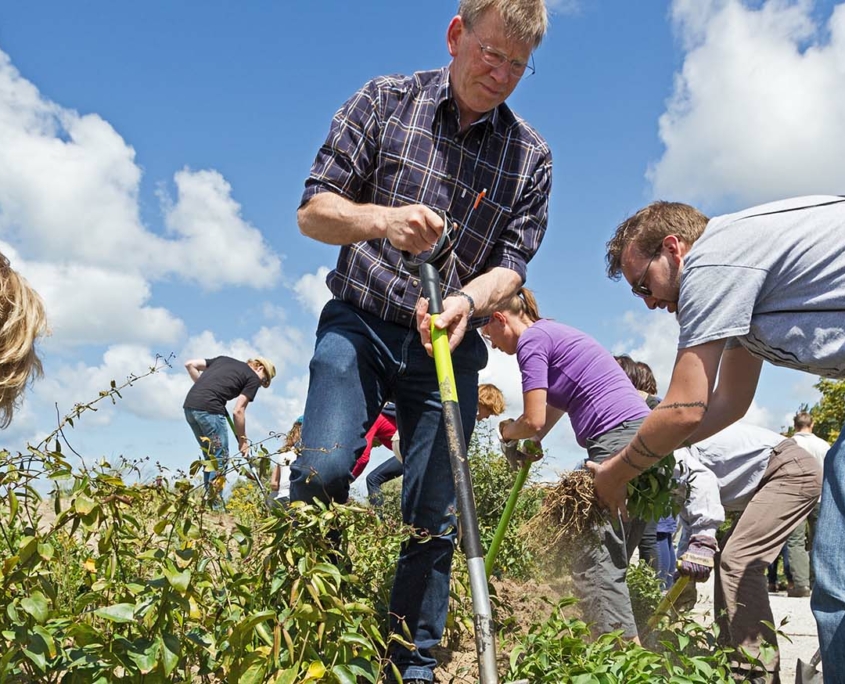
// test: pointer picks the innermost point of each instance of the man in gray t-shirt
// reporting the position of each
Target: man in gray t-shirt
(767, 283)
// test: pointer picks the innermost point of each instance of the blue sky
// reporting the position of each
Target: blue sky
(152, 157)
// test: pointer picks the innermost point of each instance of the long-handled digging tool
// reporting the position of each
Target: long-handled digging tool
(255, 476)
(425, 265)
(667, 602)
(504, 521)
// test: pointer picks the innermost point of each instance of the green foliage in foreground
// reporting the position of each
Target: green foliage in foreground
(559, 651)
(136, 583)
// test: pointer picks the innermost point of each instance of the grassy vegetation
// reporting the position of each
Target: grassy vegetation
(118, 581)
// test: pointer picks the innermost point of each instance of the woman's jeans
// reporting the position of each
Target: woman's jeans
(387, 471)
(828, 601)
(211, 431)
(359, 362)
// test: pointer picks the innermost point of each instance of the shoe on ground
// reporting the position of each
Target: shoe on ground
(799, 592)
(773, 588)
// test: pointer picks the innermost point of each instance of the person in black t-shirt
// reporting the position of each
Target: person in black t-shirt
(217, 381)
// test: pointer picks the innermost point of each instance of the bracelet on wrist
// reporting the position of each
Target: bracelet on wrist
(461, 293)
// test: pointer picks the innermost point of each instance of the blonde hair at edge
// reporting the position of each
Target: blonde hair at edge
(522, 304)
(22, 322)
(525, 20)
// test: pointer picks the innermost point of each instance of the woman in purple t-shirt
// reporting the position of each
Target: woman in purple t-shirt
(564, 370)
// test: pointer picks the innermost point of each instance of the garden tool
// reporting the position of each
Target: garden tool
(521, 477)
(808, 673)
(249, 464)
(668, 601)
(507, 514)
(426, 266)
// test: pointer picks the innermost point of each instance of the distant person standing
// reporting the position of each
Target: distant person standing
(217, 381)
(280, 477)
(804, 424)
(22, 322)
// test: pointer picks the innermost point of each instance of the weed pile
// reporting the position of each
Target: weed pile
(569, 515)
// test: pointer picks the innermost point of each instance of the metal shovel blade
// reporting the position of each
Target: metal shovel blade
(808, 673)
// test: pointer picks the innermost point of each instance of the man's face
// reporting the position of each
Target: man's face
(477, 86)
(484, 413)
(659, 273)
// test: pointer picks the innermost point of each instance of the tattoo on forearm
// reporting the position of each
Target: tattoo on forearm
(681, 404)
(625, 459)
(643, 450)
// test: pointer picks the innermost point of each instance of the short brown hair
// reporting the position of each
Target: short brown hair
(491, 397)
(639, 373)
(22, 322)
(646, 229)
(803, 420)
(525, 20)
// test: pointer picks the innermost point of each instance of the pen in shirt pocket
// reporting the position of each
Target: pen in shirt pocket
(481, 196)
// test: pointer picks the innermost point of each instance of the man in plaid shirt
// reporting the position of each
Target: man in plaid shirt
(401, 151)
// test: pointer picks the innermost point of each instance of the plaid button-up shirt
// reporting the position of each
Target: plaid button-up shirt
(396, 142)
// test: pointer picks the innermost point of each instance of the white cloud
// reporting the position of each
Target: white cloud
(503, 371)
(69, 188)
(216, 246)
(654, 341)
(158, 397)
(564, 6)
(312, 292)
(93, 305)
(69, 215)
(758, 109)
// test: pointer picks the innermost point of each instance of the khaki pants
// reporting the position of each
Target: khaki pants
(787, 493)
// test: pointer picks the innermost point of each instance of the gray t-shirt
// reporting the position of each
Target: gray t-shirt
(773, 277)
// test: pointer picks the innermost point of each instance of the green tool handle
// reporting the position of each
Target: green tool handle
(231, 424)
(507, 514)
(668, 601)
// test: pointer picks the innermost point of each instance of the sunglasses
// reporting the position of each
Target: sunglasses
(638, 288)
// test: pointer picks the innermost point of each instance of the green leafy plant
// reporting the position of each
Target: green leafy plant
(560, 651)
(646, 590)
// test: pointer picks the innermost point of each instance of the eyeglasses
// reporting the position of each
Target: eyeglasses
(496, 58)
(638, 288)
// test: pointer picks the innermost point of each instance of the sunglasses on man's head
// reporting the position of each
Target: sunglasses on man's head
(638, 288)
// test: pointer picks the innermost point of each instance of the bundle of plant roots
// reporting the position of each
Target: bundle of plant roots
(569, 516)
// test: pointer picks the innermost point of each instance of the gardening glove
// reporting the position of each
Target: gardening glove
(697, 561)
(509, 447)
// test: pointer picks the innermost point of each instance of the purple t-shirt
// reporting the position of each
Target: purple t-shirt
(581, 377)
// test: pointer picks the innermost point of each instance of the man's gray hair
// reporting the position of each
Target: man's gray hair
(525, 20)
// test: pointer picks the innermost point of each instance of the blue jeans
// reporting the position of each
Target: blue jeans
(828, 601)
(359, 361)
(211, 431)
(387, 471)
(666, 559)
